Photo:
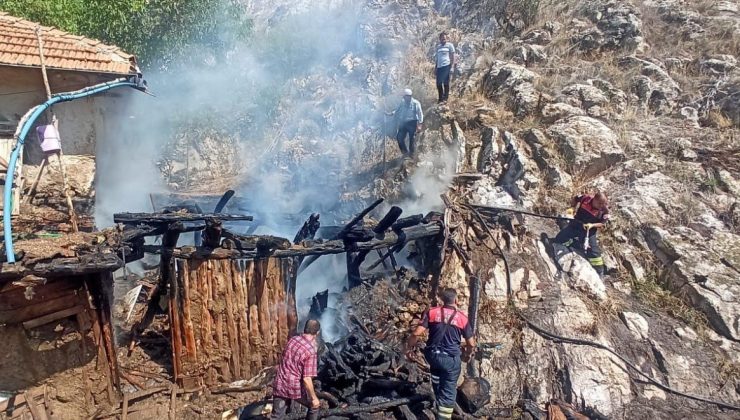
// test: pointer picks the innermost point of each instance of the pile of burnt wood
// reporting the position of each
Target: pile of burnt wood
(359, 374)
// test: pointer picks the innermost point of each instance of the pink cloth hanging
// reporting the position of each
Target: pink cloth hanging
(49, 138)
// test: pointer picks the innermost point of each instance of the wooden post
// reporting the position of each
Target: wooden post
(65, 188)
(35, 184)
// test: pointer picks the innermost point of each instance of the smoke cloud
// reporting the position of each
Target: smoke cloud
(282, 116)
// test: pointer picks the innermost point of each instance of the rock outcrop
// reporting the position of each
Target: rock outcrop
(589, 146)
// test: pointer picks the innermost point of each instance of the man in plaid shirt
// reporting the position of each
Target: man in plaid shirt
(294, 378)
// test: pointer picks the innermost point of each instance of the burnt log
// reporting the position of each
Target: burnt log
(358, 234)
(169, 241)
(323, 248)
(309, 229)
(166, 218)
(86, 264)
(388, 220)
(407, 222)
(264, 243)
(318, 304)
(354, 261)
(223, 201)
(357, 219)
(211, 236)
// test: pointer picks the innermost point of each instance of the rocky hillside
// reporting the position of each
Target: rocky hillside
(639, 99)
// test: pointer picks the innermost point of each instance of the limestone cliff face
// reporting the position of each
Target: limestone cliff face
(638, 99)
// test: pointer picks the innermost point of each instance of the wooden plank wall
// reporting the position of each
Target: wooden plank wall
(81, 298)
(229, 318)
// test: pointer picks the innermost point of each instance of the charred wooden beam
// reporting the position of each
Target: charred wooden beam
(406, 222)
(354, 261)
(318, 304)
(309, 229)
(166, 218)
(86, 264)
(323, 248)
(342, 233)
(357, 219)
(169, 241)
(223, 201)
(388, 220)
(264, 243)
(212, 234)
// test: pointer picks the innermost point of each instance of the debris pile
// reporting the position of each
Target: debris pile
(359, 369)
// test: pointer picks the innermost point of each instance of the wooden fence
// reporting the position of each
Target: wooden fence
(230, 318)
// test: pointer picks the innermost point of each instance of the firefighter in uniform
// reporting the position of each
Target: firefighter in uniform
(590, 214)
(447, 327)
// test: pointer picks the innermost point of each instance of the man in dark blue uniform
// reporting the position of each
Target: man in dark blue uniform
(447, 328)
(591, 214)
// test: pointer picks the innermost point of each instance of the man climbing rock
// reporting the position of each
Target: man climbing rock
(590, 214)
(447, 326)
(409, 118)
(294, 377)
(445, 63)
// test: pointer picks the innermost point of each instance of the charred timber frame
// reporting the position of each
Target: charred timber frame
(311, 248)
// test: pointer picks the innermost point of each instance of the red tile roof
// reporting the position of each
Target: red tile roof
(19, 47)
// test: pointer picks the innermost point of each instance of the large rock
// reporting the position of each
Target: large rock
(718, 64)
(519, 172)
(513, 83)
(558, 110)
(585, 96)
(528, 54)
(588, 145)
(700, 270)
(581, 275)
(728, 101)
(597, 379)
(503, 76)
(546, 161)
(618, 27)
(636, 323)
(654, 87)
(598, 98)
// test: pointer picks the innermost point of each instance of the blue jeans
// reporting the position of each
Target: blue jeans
(445, 370)
(443, 82)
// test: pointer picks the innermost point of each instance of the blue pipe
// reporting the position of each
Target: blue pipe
(24, 129)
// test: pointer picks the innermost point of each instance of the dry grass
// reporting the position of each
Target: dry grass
(653, 294)
(715, 118)
(729, 371)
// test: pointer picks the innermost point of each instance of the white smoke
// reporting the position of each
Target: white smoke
(283, 111)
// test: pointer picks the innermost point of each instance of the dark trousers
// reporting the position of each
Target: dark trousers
(445, 370)
(574, 235)
(280, 408)
(443, 82)
(407, 128)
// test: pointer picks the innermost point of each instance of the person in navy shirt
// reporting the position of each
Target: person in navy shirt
(447, 328)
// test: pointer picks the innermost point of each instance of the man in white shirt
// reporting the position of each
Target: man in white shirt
(409, 118)
(445, 63)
